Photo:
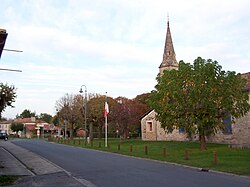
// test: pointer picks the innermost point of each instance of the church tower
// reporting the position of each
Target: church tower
(169, 61)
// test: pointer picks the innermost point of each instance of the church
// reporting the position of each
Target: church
(238, 134)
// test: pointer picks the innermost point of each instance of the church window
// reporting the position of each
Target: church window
(150, 126)
(181, 130)
(227, 124)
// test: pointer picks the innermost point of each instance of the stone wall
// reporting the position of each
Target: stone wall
(146, 133)
(158, 133)
(240, 136)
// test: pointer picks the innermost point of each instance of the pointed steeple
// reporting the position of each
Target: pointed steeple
(169, 60)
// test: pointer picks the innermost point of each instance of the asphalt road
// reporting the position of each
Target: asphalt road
(108, 170)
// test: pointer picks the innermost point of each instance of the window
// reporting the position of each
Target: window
(181, 130)
(150, 126)
(227, 124)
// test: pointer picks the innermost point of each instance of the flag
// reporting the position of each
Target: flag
(106, 108)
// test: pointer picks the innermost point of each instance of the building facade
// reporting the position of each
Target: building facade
(5, 126)
(238, 134)
(32, 127)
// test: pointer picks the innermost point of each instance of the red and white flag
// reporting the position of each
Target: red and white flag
(106, 108)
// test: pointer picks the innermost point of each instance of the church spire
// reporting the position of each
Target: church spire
(169, 61)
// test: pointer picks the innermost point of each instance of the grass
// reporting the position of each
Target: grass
(230, 160)
(7, 179)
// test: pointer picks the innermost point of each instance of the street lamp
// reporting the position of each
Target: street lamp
(85, 111)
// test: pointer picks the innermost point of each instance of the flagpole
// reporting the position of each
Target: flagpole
(106, 124)
(106, 131)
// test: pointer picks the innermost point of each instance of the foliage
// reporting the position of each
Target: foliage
(70, 110)
(95, 111)
(26, 114)
(15, 127)
(143, 98)
(45, 117)
(7, 179)
(126, 115)
(55, 120)
(198, 97)
(3, 119)
(7, 96)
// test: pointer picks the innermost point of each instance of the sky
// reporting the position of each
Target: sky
(113, 46)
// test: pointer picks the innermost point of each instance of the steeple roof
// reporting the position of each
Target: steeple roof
(169, 59)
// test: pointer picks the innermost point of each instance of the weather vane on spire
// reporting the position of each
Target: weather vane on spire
(168, 18)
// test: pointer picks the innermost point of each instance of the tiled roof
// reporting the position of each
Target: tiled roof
(247, 76)
(57, 128)
(6, 122)
(47, 127)
(28, 120)
(30, 127)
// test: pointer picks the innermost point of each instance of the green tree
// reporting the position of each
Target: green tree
(95, 112)
(198, 97)
(143, 98)
(45, 117)
(55, 119)
(7, 96)
(26, 114)
(15, 127)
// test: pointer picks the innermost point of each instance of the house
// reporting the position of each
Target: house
(237, 134)
(32, 126)
(5, 126)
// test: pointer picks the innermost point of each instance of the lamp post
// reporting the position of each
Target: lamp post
(85, 111)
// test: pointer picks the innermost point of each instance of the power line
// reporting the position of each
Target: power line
(11, 70)
(13, 50)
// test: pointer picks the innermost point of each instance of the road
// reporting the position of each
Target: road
(107, 169)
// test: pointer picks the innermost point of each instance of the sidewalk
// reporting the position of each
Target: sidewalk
(34, 170)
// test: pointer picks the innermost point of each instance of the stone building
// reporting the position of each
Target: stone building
(5, 126)
(237, 134)
(32, 127)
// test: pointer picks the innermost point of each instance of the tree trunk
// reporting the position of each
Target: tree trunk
(202, 142)
(91, 131)
(125, 133)
(100, 132)
(71, 131)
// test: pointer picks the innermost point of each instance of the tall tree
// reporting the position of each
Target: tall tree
(126, 115)
(26, 114)
(198, 97)
(45, 117)
(143, 98)
(55, 119)
(7, 96)
(69, 107)
(15, 127)
(96, 112)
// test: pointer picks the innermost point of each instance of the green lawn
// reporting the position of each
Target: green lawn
(229, 160)
(7, 179)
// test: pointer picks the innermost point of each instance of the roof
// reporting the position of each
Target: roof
(29, 120)
(46, 127)
(30, 127)
(169, 58)
(6, 122)
(146, 114)
(247, 77)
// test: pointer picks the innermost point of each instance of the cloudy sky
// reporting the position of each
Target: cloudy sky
(113, 46)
